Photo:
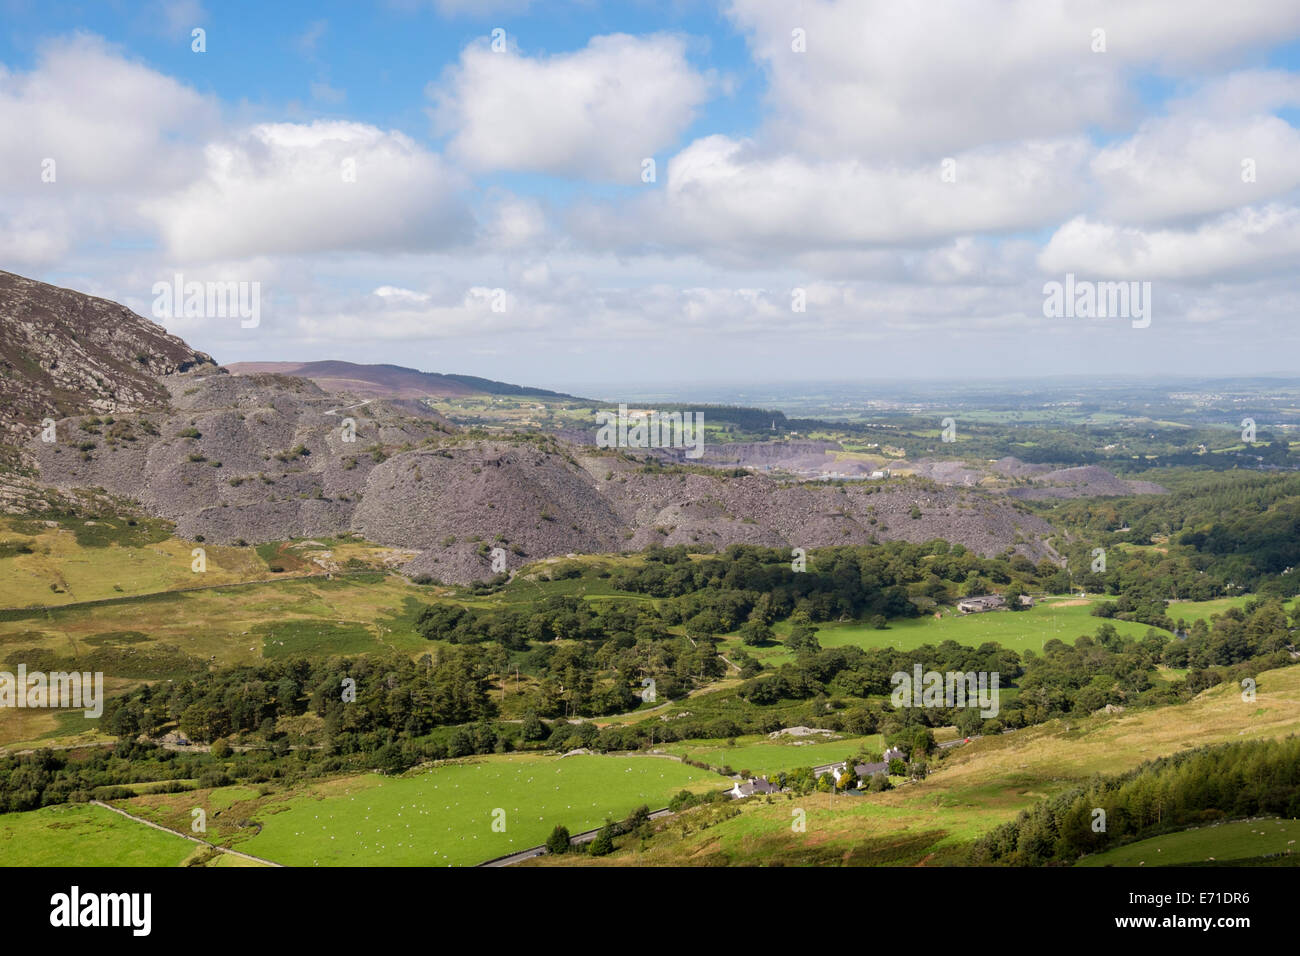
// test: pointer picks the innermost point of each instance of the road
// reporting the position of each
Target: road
(585, 837)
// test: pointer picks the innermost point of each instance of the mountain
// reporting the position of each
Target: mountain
(266, 455)
(64, 353)
(387, 381)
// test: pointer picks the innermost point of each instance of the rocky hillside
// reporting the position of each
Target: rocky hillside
(64, 353)
(260, 457)
(265, 457)
(237, 457)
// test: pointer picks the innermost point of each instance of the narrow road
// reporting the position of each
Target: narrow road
(187, 836)
(584, 837)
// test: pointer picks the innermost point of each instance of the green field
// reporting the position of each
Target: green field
(442, 816)
(1203, 610)
(1221, 843)
(78, 834)
(1062, 618)
(762, 755)
(60, 562)
(972, 789)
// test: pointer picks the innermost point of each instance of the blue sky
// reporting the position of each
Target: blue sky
(265, 58)
(498, 223)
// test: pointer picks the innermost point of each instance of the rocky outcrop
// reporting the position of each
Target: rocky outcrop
(266, 457)
(65, 353)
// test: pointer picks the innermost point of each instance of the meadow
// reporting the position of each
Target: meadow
(120, 606)
(974, 788)
(1062, 618)
(437, 816)
(1220, 843)
(45, 563)
(759, 754)
(86, 835)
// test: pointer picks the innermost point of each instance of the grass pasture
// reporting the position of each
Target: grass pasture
(84, 835)
(973, 789)
(438, 816)
(1061, 618)
(1219, 843)
(62, 562)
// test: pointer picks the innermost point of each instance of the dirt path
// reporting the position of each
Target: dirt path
(335, 411)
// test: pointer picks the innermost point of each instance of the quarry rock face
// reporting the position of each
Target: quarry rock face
(266, 457)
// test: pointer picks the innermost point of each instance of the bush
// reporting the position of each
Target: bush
(558, 841)
(604, 842)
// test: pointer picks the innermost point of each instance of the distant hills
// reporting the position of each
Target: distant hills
(387, 381)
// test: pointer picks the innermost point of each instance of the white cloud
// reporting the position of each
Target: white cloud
(176, 18)
(1214, 150)
(285, 188)
(1187, 167)
(723, 196)
(597, 112)
(309, 39)
(915, 79)
(109, 124)
(1245, 243)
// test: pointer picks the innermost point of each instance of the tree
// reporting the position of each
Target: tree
(923, 742)
(754, 632)
(604, 842)
(533, 728)
(969, 721)
(803, 639)
(558, 841)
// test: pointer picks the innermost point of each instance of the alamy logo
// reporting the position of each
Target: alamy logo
(208, 300)
(56, 689)
(652, 429)
(954, 689)
(1084, 299)
(134, 910)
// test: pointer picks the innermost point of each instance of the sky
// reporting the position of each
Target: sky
(663, 194)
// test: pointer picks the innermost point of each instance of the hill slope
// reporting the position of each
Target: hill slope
(64, 353)
(266, 457)
(386, 381)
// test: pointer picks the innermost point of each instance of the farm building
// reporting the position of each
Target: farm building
(747, 788)
(985, 602)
